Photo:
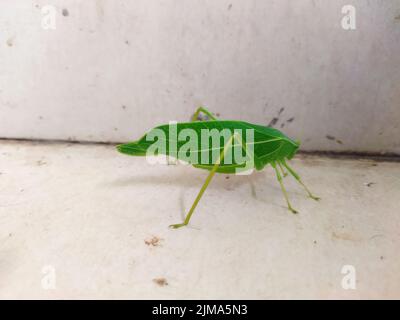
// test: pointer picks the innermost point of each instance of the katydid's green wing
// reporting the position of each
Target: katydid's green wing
(200, 143)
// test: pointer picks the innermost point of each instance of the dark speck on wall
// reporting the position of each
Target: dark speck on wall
(123, 107)
(273, 122)
(290, 120)
(10, 42)
(397, 18)
(332, 138)
(230, 6)
(65, 12)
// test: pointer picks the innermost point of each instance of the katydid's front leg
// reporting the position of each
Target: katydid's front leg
(205, 111)
(297, 177)
(279, 177)
(205, 185)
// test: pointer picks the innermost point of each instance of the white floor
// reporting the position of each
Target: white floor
(83, 221)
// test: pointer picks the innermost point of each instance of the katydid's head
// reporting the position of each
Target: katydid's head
(291, 148)
(286, 147)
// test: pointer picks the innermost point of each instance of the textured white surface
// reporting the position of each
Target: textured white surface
(86, 211)
(113, 69)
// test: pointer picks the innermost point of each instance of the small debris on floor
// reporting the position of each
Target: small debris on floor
(154, 241)
(40, 162)
(368, 184)
(162, 282)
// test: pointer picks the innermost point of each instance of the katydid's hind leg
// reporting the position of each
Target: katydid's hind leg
(205, 111)
(177, 225)
(205, 185)
(196, 201)
(297, 177)
(279, 177)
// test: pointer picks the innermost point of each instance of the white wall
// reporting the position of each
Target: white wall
(113, 69)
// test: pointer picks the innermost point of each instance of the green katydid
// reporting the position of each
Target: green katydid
(266, 146)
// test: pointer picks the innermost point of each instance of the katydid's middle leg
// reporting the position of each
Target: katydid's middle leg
(283, 171)
(297, 177)
(278, 175)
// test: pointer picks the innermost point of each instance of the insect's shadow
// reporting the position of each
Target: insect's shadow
(259, 184)
(220, 181)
